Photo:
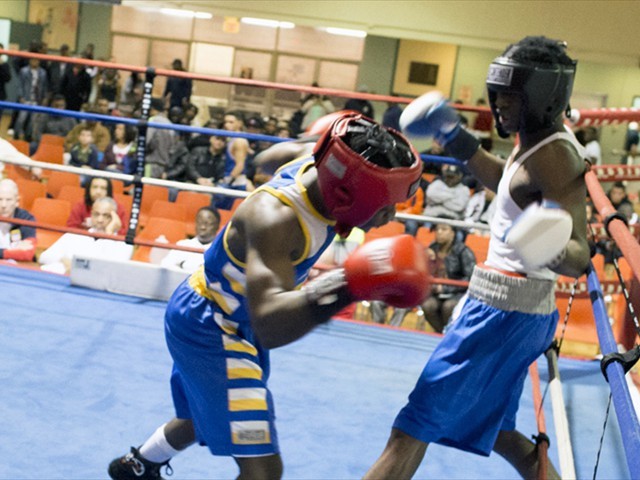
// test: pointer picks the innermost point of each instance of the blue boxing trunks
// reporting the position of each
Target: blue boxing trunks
(470, 388)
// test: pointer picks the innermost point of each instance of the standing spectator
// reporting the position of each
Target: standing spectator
(207, 225)
(592, 146)
(447, 196)
(131, 96)
(95, 188)
(159, 141)
(76, 87)
(5, 77)
(178, 90)
(57, 70)
(361, 105)
(120, 154)
(33, 88)
(45, 123)
(314, 107)
(450, 258)
(206, 164)
(109, 87)
(17, 242)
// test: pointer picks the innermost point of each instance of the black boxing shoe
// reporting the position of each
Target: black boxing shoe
(134, 466)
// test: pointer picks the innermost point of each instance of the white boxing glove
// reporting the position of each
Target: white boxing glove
(540, 234)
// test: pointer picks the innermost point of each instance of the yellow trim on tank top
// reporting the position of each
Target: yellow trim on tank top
(198, 282)
(305, 231)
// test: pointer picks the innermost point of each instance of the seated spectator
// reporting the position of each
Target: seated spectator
(179, 157)
(206, 165)
(17, 242)
(100, 133)
(617, 195)
(120, 154)
(449, 258)
(45, 123)
(481, 207)
(207, 225)
(104, 219)
(84, 154)
(447, 196)
(95, 189)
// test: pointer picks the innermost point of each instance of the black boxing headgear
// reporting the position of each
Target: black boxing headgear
(543, 82)
(362, 168)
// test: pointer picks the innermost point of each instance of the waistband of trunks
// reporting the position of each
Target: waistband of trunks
(526, 295)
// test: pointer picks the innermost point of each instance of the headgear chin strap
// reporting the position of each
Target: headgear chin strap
(353, 187)
(545, 90)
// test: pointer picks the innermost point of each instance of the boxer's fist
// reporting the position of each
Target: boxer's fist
(394, 270)
(431, 116)
(540, 234)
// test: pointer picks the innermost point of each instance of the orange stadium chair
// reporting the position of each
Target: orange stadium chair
(21, 145)
(52, 139)
(173, 230)
(71, 193)
(425, 236)
(50, 153)
(151, 193)
(29, 191)
(479, 245)
(118, 186)
(56, 180)
(391, 229)
(14, 172)
(51, 211)
(166, 209)
(236, 204)
(225, 216)
(193, 201)
(125, 200)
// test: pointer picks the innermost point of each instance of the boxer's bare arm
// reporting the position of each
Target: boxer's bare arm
(558, 172)
(273, 240)
(487, 168)
(268, 161)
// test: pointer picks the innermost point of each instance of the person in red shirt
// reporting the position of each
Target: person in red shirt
(80, 216)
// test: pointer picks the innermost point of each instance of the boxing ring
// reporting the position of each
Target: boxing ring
(87, 371)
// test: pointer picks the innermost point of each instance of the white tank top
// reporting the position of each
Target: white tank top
(501, 255)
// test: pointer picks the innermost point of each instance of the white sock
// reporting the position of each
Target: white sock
(156, 448)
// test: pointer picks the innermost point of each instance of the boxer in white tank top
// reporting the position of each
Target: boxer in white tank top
(468, 393)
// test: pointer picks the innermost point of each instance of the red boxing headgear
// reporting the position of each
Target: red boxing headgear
(362, 168)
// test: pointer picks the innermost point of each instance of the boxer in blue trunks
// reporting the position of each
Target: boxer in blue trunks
(467, 395)
(246, 298)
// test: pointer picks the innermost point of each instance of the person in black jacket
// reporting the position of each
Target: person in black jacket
(206, 164)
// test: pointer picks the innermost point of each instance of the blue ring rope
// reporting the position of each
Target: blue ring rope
(627, 418)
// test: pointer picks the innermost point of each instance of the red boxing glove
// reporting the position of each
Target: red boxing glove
(394, 270)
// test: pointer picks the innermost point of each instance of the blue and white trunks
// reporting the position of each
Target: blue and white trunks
(219, 379)
(470, 388)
